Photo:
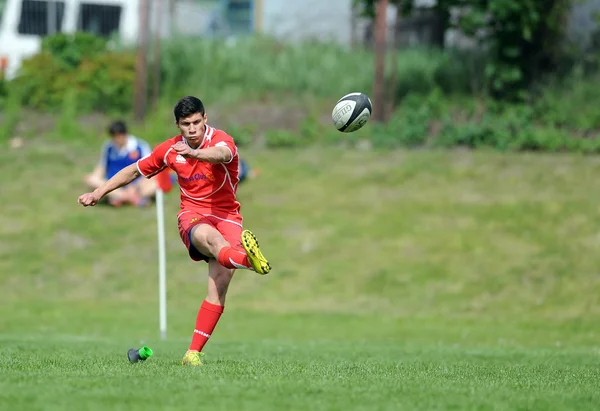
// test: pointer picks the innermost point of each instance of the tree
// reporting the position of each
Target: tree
(522, 38)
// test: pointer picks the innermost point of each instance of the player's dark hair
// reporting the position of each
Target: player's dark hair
(117, 127)
(188, 106)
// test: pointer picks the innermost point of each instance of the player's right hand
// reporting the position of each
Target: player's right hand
(88, 199)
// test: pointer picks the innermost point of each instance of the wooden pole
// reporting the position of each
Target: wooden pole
(380, 49)
(141, 65)
(353, 26)
(156, 71)
(391, 105)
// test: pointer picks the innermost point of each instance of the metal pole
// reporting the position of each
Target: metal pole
(162, 264)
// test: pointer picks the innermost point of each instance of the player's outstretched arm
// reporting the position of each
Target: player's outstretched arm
(213, 155)
(122, 178)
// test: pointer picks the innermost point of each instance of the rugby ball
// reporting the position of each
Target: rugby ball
(351, 112)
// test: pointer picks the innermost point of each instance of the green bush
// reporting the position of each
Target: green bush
(409, 126)
(102, 80)
(105, 81)
(422, 71)
(70, 50)
(10, 115)
(242, 134)
(434, 121)
(568, 102)
(42, 82)
(283, 139)
(3, 88)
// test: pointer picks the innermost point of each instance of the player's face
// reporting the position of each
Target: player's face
(120, 139)
(192, 128)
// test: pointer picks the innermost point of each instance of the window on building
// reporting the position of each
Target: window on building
(41, 18)
(101, 20)
(240, 15)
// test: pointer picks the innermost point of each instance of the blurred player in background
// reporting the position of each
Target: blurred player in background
(210, 224)
(245, 172)
(122, 150)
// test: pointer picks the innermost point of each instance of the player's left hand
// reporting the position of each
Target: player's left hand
(183, 149)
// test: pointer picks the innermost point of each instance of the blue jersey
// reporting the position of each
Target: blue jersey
(114, 159)
(244, 170)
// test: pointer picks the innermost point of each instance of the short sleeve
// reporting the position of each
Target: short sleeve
(154, 163)
(222, 139)
(145, 148)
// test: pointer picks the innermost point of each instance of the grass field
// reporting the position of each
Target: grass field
(402, 281)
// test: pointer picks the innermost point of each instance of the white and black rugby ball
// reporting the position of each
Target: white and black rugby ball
(351, 112)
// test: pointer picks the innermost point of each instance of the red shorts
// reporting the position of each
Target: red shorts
(229, 225)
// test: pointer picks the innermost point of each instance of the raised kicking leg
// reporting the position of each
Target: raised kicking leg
(211, 243)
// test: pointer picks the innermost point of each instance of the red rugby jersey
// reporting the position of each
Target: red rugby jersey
(204, 187)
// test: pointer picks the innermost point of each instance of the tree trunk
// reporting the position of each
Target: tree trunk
(394, 76)
(140, 97)
(156, 69)
(353, 26)
(380, 51)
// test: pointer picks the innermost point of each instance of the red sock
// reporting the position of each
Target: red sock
(206, 321)
(232, 258)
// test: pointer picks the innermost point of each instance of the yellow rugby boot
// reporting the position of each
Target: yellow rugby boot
(257, 260)
(193, 358)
